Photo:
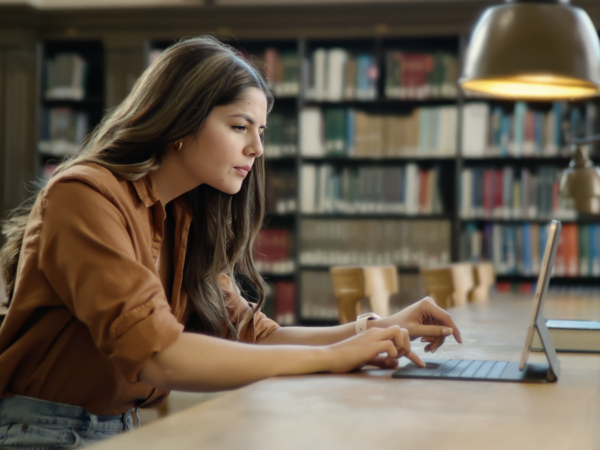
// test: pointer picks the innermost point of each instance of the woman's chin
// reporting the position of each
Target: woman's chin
(231, 190)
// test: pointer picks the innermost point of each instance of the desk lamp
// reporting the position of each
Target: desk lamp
(540, 50)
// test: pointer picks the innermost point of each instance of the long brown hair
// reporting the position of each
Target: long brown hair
(171, 100)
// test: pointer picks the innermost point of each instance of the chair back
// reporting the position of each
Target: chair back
(351, 284)
(439, 285)
(484, 278)
(448, 285)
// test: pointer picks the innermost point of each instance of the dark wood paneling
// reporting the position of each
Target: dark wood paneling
(17, 119)
(17, 104)
(275, 22)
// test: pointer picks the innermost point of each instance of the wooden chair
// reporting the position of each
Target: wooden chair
(449, 285)
(351, 284)
(484, 278)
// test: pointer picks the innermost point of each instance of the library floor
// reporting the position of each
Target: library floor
(178, 401)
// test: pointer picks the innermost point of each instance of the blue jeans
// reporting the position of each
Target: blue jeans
(29, 423)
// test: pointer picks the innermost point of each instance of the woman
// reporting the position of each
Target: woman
(122, 275)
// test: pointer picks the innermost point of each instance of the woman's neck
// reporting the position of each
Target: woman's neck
(171, 180)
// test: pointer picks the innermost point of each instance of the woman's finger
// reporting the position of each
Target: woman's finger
(406, 340)
(393, 333)
(384, 362)
(443, 318)
(389, 348)
(432, 331)
(437, 343)
(415, 358)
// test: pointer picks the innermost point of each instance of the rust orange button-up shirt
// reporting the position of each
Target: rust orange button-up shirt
(89, 309)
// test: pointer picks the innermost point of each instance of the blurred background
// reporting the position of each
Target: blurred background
(375, 156)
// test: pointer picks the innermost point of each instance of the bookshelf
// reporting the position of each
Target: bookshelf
(370, 177)
(509, 190)
(71, 98)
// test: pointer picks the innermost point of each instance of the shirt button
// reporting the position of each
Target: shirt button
(24, 427)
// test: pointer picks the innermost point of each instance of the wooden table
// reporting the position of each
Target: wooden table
(370, 410)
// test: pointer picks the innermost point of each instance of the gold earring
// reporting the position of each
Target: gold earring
(178, 145)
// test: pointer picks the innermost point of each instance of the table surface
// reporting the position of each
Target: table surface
(370, 409)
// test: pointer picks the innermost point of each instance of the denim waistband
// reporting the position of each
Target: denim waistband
(42, 412)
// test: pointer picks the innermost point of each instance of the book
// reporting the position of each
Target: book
(311, 132)
(511, 194)
(576, 336)
(474, 129)
(571, 249)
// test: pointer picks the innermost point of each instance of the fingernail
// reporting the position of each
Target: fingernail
(446, 331)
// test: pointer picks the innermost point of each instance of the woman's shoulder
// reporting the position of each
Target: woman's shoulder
(93, 175)
(90, 173)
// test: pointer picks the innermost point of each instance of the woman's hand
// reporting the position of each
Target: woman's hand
(426, 320)
(368, 347)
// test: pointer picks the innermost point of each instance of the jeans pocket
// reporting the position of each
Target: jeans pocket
(21, 435)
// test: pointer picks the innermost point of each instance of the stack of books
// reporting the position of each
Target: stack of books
(408, 189)
(524, 131)
(336, 74)
(348, 132)
(405, 243)
(518, 248)
(410, 75)
(510, 193)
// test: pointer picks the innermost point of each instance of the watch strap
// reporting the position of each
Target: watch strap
(361, 322)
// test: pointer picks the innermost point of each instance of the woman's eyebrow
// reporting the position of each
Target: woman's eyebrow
(247, 117)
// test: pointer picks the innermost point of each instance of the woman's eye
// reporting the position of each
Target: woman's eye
(239, 127)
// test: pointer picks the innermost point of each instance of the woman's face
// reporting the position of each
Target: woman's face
(223, 151)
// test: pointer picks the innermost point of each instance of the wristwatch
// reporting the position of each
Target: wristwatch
(361, 321)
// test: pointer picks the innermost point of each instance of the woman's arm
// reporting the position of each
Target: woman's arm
(203, 363)
(422, 319)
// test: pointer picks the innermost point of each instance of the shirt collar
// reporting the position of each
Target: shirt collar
(146, 190)
(148, 194)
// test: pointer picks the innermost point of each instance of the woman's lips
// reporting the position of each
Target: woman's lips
(243, 170)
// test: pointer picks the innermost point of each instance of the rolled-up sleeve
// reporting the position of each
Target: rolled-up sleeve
(254, 329)
(89, 258)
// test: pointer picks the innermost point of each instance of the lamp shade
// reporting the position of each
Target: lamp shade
(533, 51)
